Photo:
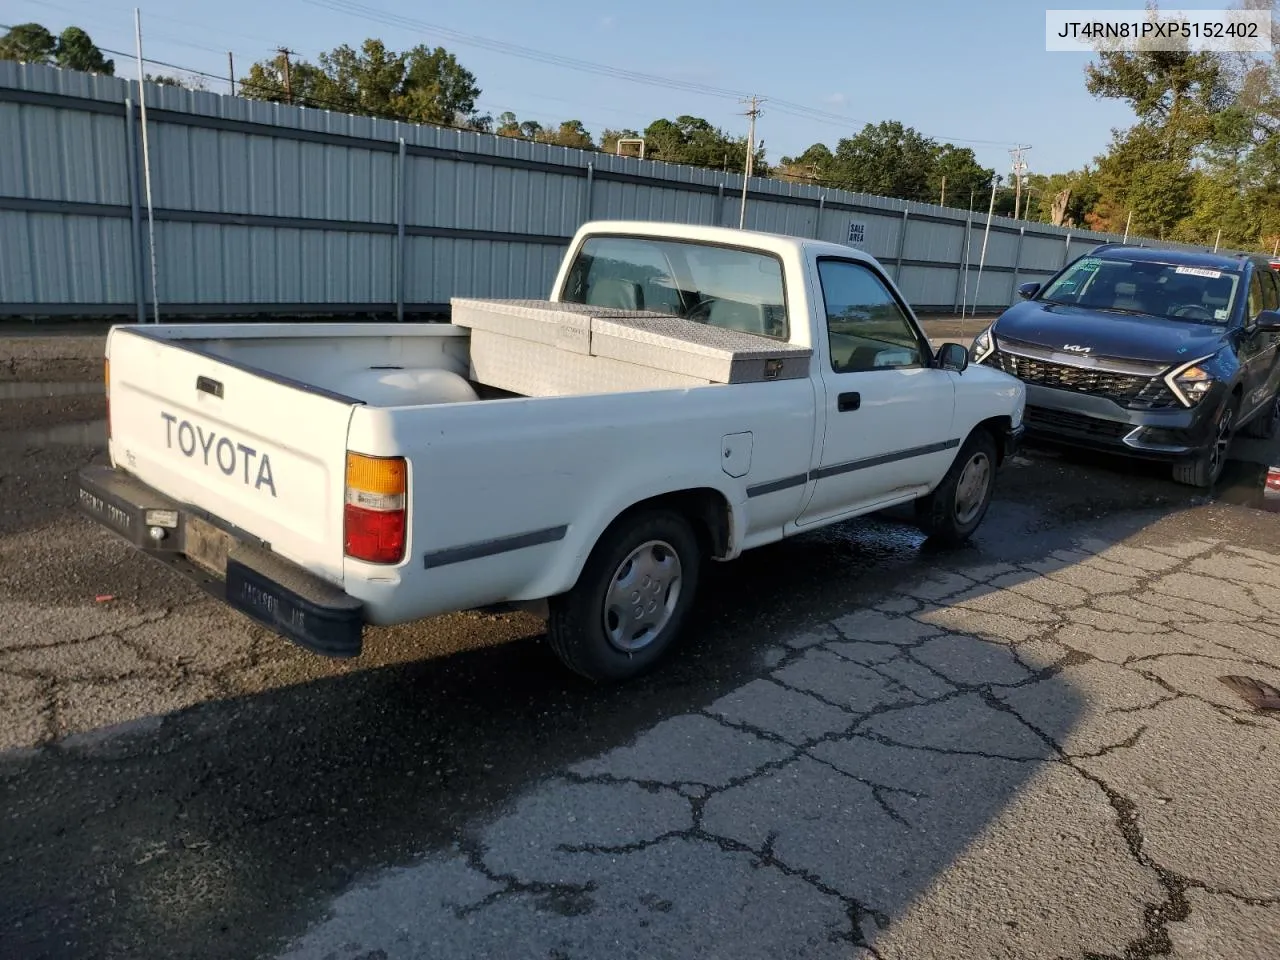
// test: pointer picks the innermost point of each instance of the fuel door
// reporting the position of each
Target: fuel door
(735, 454)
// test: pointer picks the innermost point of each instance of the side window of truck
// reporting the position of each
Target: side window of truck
(1256, 297)
(866, 328)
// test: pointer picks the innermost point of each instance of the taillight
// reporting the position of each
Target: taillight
(106, 386)
(374, 515)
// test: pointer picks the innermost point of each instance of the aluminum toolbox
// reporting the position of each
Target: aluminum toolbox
(541, 370)
(563, 325)
(683, 346)
(539, 348)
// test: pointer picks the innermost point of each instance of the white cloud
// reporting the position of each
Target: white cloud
(606, 23)
(835, 99)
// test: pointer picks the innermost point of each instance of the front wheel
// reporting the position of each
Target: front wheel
(1205, 468)
(631, 600)
(957, 505)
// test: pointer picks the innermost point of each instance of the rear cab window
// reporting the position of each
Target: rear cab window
(720, 286)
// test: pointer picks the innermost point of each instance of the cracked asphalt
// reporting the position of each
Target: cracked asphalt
(868, 747)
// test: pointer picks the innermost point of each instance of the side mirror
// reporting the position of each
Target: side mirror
(953, 356)
(1028, 290)
(1268, 321)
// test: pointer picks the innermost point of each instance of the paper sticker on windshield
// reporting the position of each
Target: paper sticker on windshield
(1220, 314)
(1199, 272)
(1090, 263)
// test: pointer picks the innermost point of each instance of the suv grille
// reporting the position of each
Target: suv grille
(1127, 389)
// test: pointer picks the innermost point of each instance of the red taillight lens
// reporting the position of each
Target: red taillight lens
(374, 536)
(374, 516)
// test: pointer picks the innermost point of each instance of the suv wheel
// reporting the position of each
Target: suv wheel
(1204, 470)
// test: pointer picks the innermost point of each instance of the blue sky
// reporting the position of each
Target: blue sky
(973, 73)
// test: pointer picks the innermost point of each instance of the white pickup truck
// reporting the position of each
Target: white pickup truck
(321, 477)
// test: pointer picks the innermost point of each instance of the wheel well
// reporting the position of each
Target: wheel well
(705, 508)
(998, 427)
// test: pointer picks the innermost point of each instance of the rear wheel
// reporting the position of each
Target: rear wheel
(957, 505)
(631, 600)
(1206, 467)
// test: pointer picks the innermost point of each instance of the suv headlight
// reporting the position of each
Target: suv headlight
(984, 344)
(1190, 382)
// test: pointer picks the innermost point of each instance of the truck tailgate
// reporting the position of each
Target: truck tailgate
(262, 454)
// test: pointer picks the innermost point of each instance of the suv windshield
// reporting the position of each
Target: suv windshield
(719, 286)
(1146, 288)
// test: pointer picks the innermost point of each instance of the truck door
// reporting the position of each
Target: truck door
(888, 413)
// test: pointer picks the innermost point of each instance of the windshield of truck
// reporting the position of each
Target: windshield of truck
(719, 286)
(1144, 288)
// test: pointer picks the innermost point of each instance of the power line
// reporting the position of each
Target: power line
(804, 111)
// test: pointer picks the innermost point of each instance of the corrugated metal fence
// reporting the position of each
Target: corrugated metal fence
(268, 209)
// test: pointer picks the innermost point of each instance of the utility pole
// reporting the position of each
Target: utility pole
(288, 80)
(754, 112)
(943, 201)
(1019, 168)
(231, 69)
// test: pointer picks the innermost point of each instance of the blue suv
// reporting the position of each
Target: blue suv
(1157, 354)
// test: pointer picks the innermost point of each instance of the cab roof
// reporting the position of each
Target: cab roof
(727, 236)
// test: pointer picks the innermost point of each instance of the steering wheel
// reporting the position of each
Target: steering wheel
(1192, 311)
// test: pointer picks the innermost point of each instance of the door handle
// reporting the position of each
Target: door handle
(848, 401)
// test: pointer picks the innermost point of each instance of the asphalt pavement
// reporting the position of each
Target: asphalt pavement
(868, 747)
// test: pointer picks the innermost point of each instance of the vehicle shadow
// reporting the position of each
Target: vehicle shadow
(800, 772)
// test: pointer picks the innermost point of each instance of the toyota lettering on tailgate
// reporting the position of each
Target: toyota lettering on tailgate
(232, 458)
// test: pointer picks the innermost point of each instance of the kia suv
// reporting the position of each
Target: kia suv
(1158, 354)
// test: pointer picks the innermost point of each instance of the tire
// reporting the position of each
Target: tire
(1205, 468)
(1263, 425)
(955, 508)
(589, 628)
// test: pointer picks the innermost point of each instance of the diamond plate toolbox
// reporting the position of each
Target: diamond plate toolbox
(601, 344)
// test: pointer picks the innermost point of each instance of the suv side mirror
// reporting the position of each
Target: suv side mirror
(953, 356)
(1028, 290)
(1268, 321)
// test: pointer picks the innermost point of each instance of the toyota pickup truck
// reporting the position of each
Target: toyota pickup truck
(324, 477)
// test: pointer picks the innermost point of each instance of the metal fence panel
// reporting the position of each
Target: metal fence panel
(262, 207)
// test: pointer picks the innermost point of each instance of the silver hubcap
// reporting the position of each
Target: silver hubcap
(642, 596)
(971, 491)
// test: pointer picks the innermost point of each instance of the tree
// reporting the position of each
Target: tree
(886, 159)
(694, 141)
(962, 172)
(77, 52)
(28, 43)
(815, 164)
(437, 88)
(73, 50)
(422, 85)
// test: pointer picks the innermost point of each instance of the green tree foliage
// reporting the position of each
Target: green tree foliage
(421, 85)
(28, 43)
(695, 141)
(892, 160)
(76, 51)
(72, 50)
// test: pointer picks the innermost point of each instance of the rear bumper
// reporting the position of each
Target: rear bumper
(274, 592)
